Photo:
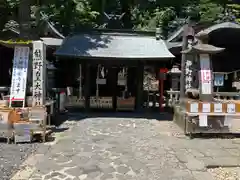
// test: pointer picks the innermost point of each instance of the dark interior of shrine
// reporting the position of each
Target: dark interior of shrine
(68, 74)
(6, 57)
(228, 38)
(228, 60)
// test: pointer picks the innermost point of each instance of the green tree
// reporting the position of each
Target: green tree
(67, 15)
(233, 11)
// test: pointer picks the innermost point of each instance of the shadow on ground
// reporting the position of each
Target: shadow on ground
(73, 115)
(216, 136)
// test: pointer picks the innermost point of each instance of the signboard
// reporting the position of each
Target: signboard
(39, 73)
(205, 75)
(194, 107)
(126, 104)
(206, 107)
(218, 80)
(203, 120)
(101, 102)
(206, 88)
(206, 78)
(231, 108)
(218, 108)
(19, 74)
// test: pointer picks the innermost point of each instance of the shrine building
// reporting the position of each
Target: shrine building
(115, 70)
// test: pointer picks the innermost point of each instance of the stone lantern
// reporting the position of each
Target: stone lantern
(175, 78)
(51, 69)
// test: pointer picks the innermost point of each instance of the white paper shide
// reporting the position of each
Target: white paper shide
(19, 73)
(39, 58)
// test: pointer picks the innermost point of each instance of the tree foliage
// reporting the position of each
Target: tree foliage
(68, 15)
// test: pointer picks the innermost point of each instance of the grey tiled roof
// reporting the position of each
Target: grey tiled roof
(52, 41)
(204, 48)
(225, 25)
(114, 45)
(171, 45)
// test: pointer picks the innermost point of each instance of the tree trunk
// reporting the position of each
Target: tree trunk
(127, 22)
(3, 13)
(24, 15)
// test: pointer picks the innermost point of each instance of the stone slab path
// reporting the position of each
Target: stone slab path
(129, 149)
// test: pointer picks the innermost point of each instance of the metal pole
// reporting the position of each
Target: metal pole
(183, 60)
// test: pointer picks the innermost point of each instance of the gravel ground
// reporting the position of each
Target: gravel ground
(12, 156)
(225, 173)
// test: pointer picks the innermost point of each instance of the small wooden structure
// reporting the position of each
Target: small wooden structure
(106, 69)
(21, 122)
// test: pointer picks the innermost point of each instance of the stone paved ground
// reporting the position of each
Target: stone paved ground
(131, 149)
(12, 156)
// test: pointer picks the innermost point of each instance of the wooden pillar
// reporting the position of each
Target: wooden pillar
(87, 86)
(139, 79)
(114, 77)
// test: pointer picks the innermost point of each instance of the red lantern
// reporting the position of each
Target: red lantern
(162, 73)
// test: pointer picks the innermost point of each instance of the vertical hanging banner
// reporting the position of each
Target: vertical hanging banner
(39, 73)
(205, 74)
(19, 74)
(218, 80)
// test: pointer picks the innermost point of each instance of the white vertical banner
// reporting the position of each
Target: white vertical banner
(205, 74)
(206, 81)
(19, 74)
(39, 73)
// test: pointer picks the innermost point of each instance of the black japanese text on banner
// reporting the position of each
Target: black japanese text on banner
(39, 73)
(19, 74)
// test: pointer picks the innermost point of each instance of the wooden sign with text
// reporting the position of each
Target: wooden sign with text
(39, 73)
